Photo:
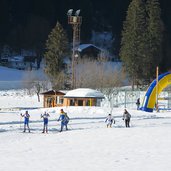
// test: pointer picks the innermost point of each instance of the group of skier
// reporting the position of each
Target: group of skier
(126, 117)
(64, 119)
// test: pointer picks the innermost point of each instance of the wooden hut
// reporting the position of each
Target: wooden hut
(88, 50)
(53, 98)
(83, 97)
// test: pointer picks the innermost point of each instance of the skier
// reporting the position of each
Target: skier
(126, 117)
(110, 120)
(138, 103)
(26, 120)
(64, 120)
(45, 121)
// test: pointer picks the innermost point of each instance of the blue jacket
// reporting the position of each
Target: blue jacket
(63, 118)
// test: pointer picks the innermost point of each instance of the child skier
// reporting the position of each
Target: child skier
(110, 120)
(26, 120)
(45, 121)
(64, 120)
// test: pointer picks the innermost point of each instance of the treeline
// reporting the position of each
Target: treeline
(26, 24)
(144, 42)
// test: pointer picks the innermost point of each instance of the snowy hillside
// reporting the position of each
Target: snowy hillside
(14, 78)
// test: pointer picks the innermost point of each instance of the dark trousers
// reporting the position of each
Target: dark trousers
(45, 128)
(138, 106)
(26, 124)
(62, 126)
(45, 125)
(127, 122)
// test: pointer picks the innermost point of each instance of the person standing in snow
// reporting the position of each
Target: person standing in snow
(45, 117)
(64, 120)
(126, 117)
(109, 120)
(138, 103)
(26, 120)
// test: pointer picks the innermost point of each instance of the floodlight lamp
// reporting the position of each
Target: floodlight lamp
(69, 13)
(76, 55)
(77, 12)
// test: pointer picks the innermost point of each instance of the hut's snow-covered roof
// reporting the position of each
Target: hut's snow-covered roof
(53, 92)
(84, 46)
(84, 93)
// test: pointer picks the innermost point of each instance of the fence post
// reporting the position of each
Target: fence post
(125, 99)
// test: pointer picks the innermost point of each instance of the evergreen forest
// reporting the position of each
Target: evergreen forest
(26, 24)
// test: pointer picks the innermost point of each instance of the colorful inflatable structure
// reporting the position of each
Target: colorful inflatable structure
(150, 97)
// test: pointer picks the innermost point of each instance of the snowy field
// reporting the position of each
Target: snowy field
(88, 145)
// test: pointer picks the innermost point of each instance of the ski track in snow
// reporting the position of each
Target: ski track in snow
(83, 122)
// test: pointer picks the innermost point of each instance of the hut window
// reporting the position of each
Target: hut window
(88, 103)
(80, 102)
(59, 100)
(72, 102)
(49, 102)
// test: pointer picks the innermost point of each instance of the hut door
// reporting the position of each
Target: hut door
(53, 102)
(49, 102)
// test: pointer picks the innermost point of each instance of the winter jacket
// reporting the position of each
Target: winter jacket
(26, 118)
(63, 118)
(45, 117)
(126, 116)
(109, 119)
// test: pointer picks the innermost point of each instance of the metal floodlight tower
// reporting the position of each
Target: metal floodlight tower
(75, 20)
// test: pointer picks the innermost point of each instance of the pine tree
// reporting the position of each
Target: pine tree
(133, 39)
(141, 40)
(154, 36)
(56, 49)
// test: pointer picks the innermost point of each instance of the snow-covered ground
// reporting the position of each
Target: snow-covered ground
(88, 145)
